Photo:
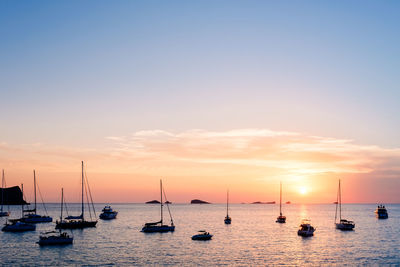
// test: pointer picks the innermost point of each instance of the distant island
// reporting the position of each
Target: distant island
(157, 202)
(153, 202)
(198, 201)
(259, 202)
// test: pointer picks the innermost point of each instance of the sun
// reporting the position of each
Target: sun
(303, 190)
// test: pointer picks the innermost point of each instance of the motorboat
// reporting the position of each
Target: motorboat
(3, 213)
(16, 226)
(227, 220)
(306, 229)
(79, 222)
(344, 225)
(160, 227)
(108, 213)
(202, 235)
(381, 212)
(281, 218)
(55, 238)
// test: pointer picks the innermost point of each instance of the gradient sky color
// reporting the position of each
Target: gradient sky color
(205, 94)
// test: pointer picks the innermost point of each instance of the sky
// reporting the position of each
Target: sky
(207, 95)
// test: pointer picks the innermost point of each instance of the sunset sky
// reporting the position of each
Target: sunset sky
(207, 95)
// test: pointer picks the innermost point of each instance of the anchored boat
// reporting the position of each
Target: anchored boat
(54, 237)
(381, 212)
(202, 235)
(108, 213)
(281, 218)
(16, 226)
(343, 224)
(79, 222)
(159, 226)
(306, 229)
(30, 215)
(227, 220)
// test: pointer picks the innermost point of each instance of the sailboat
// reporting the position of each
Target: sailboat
(79, 222)
(343, 224)
(30, 216)
(154, 227)
(16, 225)
(52, 238)
(281, 218)
(227, 219)
(3, 183)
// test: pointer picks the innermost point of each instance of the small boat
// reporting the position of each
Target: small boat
(159, 227)
(281, 218)
(108, 213)
(306, 229)
(16, 226)
(227, 220)
(30, 215)
(202, 235)
(3, 213)
(381, 212)
(79, 222)
(343, 224)
(54, 238)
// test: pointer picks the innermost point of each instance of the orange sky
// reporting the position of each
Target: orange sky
(203, 164)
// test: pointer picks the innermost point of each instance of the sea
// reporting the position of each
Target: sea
(253, 238)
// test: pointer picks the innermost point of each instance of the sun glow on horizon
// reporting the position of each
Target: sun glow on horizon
(303, 190)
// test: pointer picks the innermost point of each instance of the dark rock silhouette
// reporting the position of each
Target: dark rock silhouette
(259, 202)
(12, 196)
(153, 202)
(198, 201)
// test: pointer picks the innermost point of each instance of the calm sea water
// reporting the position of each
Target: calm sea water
(253, 238)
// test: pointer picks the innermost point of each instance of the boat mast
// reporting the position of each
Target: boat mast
(34, 186)
(161, 202)
(337, 202)
(83, 209)
(340, 202)
(62, 200)
(22, 205)
(227, 203)
(280, 200)
(2, 190)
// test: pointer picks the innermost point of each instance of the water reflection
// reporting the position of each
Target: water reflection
(253, 238)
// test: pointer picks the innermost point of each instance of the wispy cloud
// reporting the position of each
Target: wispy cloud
(244, 155)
